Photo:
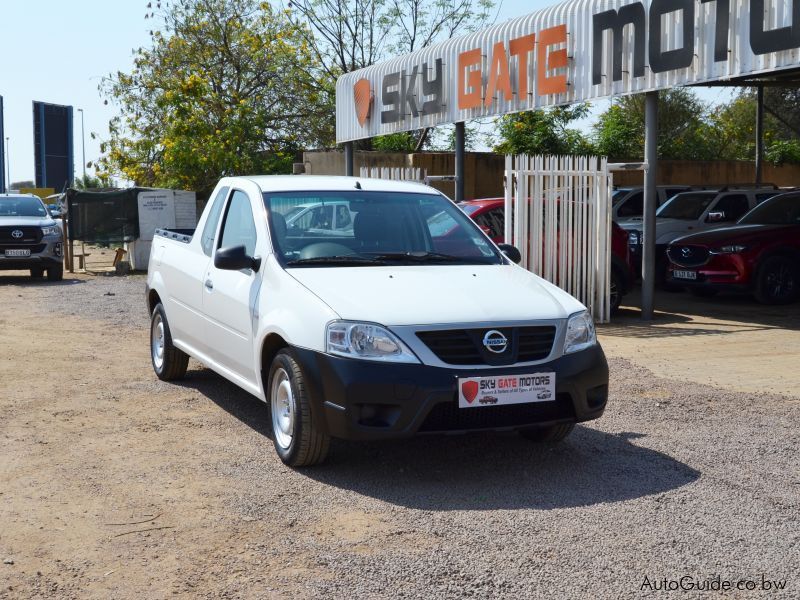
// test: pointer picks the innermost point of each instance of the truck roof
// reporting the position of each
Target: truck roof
(289, 183)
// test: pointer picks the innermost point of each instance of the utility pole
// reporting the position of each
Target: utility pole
(83, 144)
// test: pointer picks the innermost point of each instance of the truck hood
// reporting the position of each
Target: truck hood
(433, 294)
(734, 233)
(26, 221)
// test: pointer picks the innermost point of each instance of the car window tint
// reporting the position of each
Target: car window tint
(498, 225)
(210, 228)
(633, 206)
(239, 227)
(343, 219)
(733, 205)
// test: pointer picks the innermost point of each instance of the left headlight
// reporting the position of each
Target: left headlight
(731, 249)
(53, 230)
(580, 332)
(366, 341)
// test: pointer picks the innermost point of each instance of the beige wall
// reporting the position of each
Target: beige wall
(484, 170)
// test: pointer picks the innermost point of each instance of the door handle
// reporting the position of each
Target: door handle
(209, 285)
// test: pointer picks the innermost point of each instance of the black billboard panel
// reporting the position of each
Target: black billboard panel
(52, 144)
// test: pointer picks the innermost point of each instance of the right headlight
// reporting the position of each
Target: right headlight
(367, 341)
(580, 332)
(634, 237)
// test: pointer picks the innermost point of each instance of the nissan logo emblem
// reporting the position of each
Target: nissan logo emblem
(16, 234)
(686, 252)
(494, 341)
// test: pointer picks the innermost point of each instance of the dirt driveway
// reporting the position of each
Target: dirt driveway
(114, 485)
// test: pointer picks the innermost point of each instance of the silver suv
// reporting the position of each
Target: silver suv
(29, 237)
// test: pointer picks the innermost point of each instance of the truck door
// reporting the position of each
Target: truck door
(228, 296)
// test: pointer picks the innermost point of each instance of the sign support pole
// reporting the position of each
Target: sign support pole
(460, 129)
(650, 201)
(759, 132)
(348, 159)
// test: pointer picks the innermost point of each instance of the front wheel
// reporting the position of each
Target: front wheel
(169, 363)
(615, 285)
(298, 438)
(55, 273)
(554, 433)
(778, 281)
(37, 273)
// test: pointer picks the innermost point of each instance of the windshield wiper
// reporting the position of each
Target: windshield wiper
(422, 257)
(347, 260)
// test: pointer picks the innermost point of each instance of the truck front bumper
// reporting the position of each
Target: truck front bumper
(47, 253)
(364, 400)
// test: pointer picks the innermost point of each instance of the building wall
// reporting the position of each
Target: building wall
(484, 170)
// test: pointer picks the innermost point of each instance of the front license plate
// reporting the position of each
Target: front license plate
(506, 389)
(684, 274)
(24, 252)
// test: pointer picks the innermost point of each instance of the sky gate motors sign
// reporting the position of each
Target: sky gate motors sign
(567, 53)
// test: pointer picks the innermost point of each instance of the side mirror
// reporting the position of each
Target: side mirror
(511, 252)
(715, 217)
(235, 258)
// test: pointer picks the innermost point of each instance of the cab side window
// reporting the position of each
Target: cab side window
(239, 227)
(733, 205)
(633, 206)
(210, 228)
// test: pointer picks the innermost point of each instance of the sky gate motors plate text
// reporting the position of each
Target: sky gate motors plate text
(570, 52)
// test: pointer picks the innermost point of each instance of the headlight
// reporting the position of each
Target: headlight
(367, 341)
(634, 237)
(54, 230)
(580, 332)
(732, 249)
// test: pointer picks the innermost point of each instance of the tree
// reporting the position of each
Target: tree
(684, 128)
(543, 132)
(89, 182)
(227, 87)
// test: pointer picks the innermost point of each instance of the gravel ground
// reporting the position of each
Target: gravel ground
(675, 480)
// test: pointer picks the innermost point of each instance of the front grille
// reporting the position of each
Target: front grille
(688, 256)
(30, 235)
(465, 346)
(35, 249)
(447, 416)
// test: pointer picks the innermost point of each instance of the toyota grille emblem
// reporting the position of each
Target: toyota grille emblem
(16, 234)
(494, 341)
(686, 252)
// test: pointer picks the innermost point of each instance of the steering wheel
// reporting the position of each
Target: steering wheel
(323, 249)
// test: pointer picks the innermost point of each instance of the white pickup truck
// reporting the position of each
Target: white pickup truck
(390, 328)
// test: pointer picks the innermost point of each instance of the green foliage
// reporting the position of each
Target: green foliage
(228, 87)
(89, 182)
(543, 132)
(405, 141)
(783, 152)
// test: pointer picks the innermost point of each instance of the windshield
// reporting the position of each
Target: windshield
(16, 206)
(359, 228)
(688, 206)
(619, 195)
(778, 210)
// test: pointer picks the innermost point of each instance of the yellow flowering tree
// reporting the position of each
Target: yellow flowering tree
(227, 87)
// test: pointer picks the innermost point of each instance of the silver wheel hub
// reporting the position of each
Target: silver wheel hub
(283, 408)
(157, 341)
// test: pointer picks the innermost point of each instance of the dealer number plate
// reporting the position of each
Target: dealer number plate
(24, 252)
(506, 389)
(684, 274)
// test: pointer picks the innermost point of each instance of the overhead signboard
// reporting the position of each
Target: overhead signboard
(574, 51)
(52, 142)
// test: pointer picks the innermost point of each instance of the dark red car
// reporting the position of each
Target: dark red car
(759, 255)
(489, 214)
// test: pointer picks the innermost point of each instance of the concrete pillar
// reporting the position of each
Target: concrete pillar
(650, 204)
(459, 161)
(759, 133)
(348, 159)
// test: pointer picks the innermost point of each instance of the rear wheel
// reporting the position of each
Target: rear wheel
(296, 434)
(55, 273)
(169, 363)
(778, 281)
(554, 433)
(37, 273)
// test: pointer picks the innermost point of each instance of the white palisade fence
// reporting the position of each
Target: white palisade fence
(560, 209)
(394, 173)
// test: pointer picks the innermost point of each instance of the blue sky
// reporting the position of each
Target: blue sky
(58, 51)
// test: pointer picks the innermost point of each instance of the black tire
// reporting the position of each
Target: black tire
(169, 363)
(778, 280)
(37, 273)
(55, 273)
(617, 290)
(703, 292)
(554, 433)
(297, 436)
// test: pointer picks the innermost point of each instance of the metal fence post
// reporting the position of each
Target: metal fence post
(650, 203)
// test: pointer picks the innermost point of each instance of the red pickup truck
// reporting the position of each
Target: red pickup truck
(759, 255)
(489, 214)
